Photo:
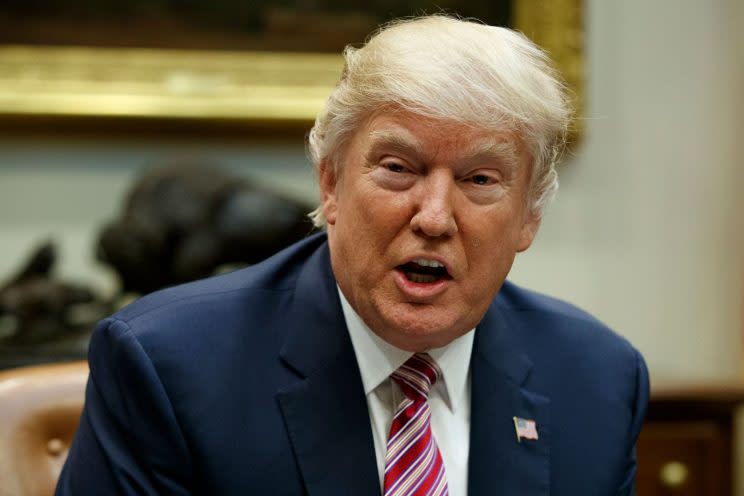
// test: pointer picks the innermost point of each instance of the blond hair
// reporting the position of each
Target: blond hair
(456, 70)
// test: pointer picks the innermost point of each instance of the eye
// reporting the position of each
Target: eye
(394, 167)
(485, 185)
(482, 179)
(393, 173)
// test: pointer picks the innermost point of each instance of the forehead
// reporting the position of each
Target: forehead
(431, 137)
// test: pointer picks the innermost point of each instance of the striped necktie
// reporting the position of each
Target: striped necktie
(413, 464)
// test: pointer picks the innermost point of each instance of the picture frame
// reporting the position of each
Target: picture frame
(268, 88)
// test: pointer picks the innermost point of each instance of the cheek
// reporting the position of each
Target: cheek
(360, 233)
(487, 273)
(491, 243)
(379, 213)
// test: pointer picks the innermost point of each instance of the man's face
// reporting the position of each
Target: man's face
(424, 220)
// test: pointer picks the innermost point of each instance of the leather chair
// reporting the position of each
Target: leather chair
(39, 413)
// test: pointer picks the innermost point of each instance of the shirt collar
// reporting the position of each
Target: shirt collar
(378, 359)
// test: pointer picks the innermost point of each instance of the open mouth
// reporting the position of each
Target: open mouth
(424, 271)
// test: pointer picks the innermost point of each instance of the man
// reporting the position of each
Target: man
(387, 355)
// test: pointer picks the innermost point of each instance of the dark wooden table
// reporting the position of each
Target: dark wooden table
(686, 446)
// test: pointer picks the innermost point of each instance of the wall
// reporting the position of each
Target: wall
(647, 230)
(66, 189)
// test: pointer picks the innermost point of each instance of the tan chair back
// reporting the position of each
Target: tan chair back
(39, 413)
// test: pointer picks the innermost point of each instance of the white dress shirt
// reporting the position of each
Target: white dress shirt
(449, 399)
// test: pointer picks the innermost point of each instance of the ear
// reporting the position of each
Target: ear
(528, 231)
(327, 178)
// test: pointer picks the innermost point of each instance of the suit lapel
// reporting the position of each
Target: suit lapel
(499, 463)
(326, 411)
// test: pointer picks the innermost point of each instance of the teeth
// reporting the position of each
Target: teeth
(427, 263)
(421, 278)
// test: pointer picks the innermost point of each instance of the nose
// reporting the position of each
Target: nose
(434, 214)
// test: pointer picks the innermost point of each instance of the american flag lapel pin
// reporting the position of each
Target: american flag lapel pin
(525, 428)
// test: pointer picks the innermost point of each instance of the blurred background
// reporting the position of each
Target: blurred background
(647, 231)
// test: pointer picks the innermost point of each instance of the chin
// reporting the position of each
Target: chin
(416, 331)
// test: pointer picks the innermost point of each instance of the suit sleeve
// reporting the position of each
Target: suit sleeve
(627, 487)
(129, 440)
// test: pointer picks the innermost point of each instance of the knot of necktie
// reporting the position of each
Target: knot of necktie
(416, 376)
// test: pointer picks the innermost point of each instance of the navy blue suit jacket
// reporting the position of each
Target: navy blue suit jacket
(247, 384)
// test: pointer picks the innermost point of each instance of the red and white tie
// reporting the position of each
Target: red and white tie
(413, 464)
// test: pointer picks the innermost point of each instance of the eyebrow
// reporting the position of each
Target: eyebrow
(505, 152)
(396, 140)
(480, 151)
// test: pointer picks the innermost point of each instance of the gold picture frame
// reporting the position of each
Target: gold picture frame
(266, 88)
